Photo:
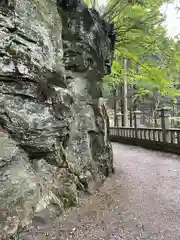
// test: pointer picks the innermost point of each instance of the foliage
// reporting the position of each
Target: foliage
(141, 94)
(154, 58)
(92, 3)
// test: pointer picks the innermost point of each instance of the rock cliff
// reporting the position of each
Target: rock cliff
(53, 123)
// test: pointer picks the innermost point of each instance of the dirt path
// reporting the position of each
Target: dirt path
(141, 201)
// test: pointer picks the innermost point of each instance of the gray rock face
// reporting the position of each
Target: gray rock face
(53, 123)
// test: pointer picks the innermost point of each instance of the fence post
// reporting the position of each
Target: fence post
(137, 118)
(165, 123)
(119, 119)
(137, 121)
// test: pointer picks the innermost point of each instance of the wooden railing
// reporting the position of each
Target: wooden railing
(154, 138)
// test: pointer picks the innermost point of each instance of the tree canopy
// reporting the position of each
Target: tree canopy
(154, 58)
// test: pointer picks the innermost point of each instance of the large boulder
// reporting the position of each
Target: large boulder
(53, 122)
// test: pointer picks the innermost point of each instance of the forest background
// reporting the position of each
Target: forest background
(146, 66)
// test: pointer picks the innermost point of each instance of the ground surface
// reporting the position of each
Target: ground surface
(141, 201)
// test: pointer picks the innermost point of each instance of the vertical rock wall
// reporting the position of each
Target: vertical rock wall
(53, 123)
(87, 58)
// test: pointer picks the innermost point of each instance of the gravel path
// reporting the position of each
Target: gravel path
(141, 201)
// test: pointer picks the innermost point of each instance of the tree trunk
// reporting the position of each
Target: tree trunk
(115, 108)
(122, 107)
(130, 114)
(125, 95)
